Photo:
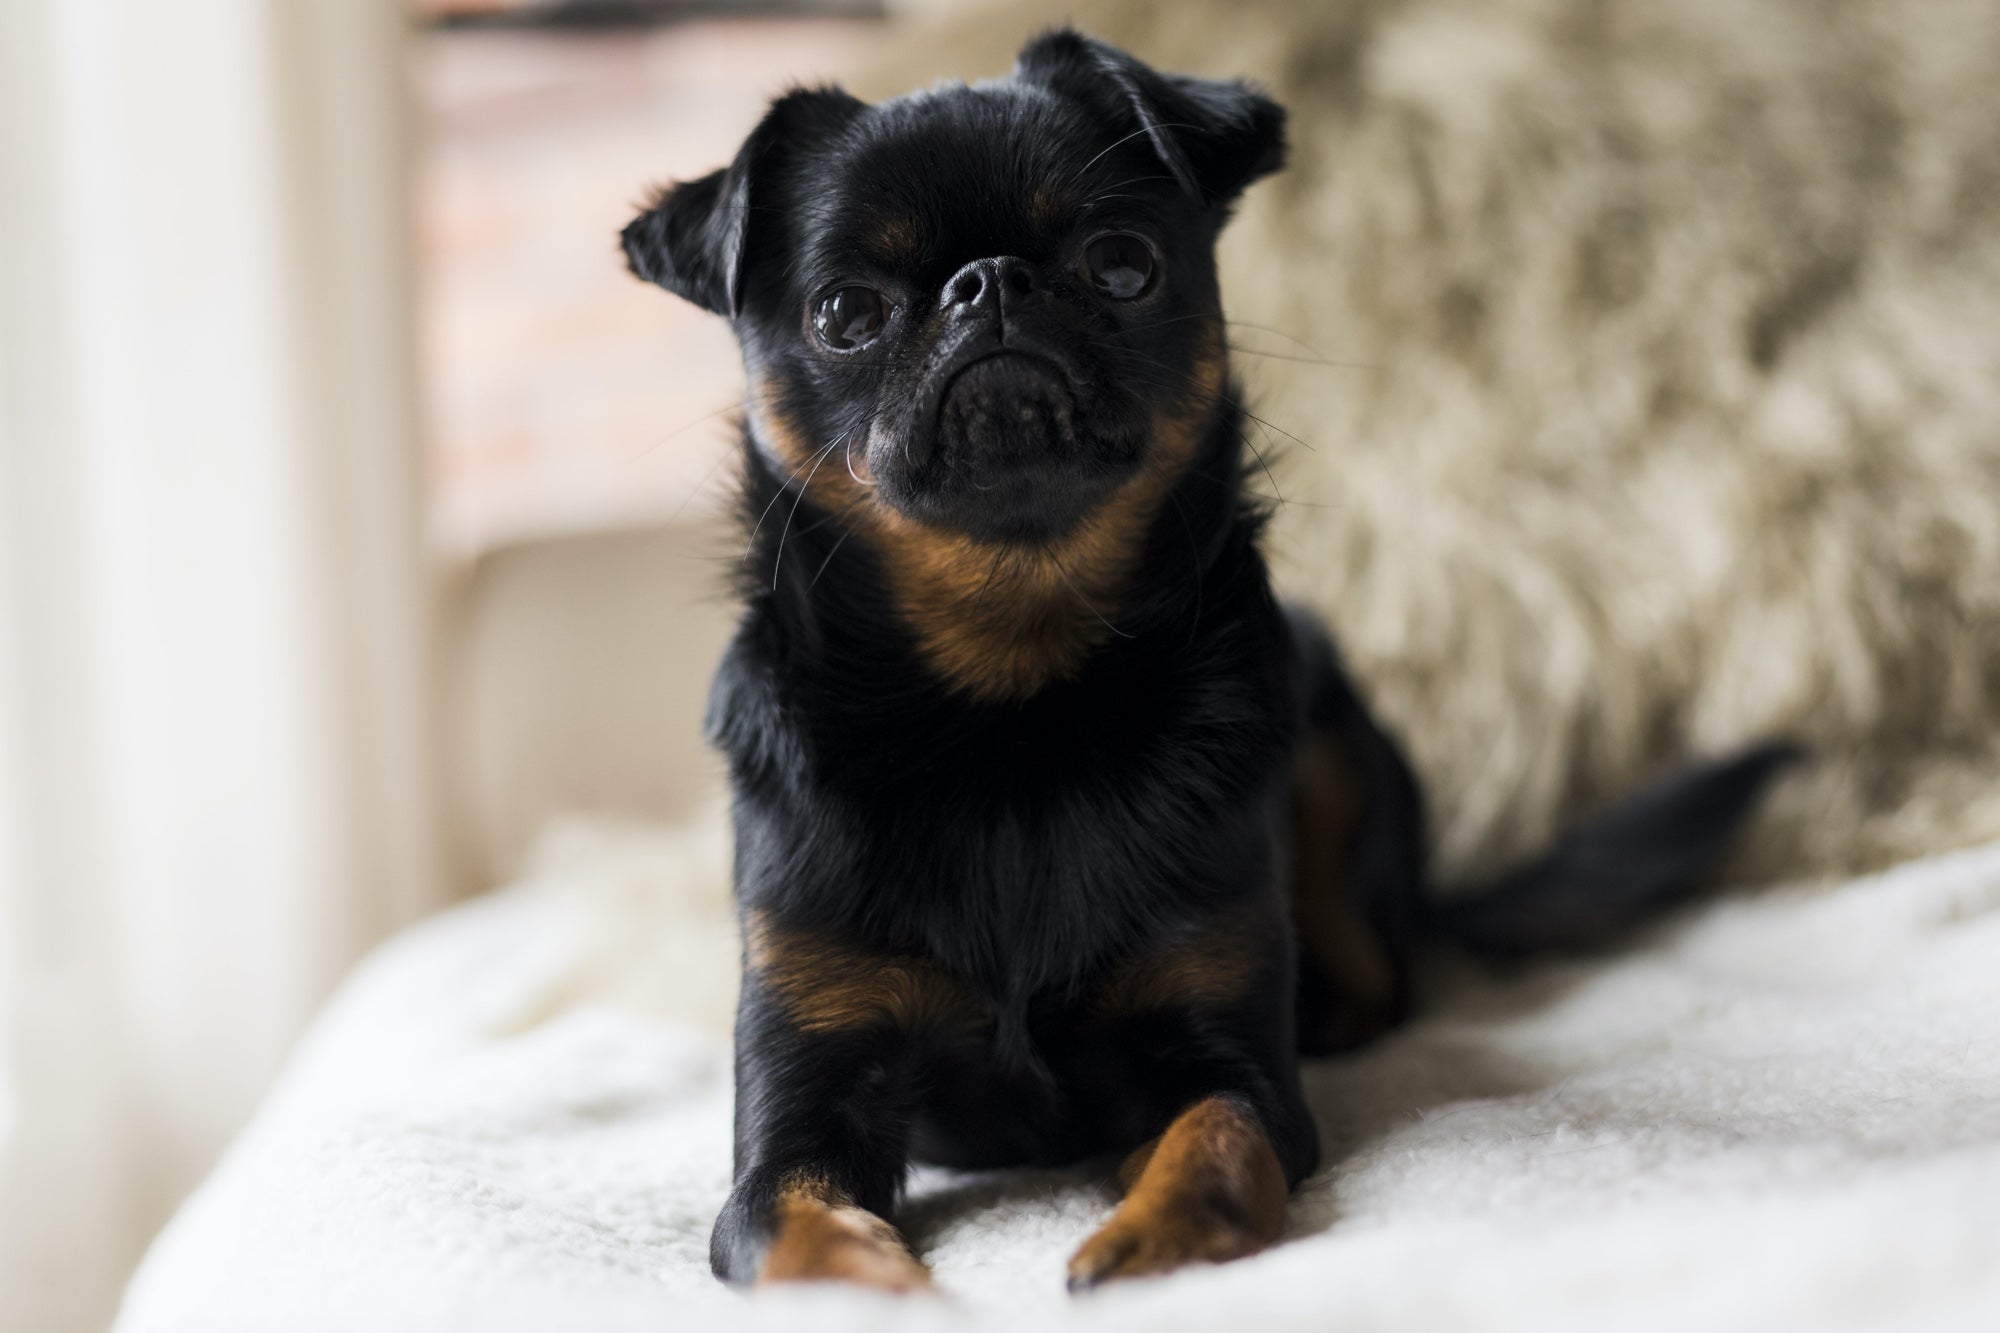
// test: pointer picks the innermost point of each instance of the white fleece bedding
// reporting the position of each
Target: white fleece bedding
(1782, 1112)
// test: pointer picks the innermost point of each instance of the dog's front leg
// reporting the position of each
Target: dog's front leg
(820, 1142)
(827, 1035)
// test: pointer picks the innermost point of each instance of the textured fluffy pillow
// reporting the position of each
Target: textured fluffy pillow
(1663, 409)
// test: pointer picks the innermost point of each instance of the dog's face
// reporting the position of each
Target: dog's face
(982, 303)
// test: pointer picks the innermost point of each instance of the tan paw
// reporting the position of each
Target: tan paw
(818, 1242)
(1145, 1238)
(1208, 1190)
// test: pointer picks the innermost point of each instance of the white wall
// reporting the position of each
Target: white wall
(216, 771)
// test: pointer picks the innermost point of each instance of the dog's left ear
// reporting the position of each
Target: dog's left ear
(1215, 135)
(695, 239)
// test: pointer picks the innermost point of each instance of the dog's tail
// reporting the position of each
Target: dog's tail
(1612, 872)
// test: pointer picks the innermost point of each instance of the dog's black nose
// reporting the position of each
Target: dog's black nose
(991, 282)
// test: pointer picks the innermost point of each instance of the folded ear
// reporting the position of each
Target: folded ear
(690, 241)
(1215, 135)
(694, 238)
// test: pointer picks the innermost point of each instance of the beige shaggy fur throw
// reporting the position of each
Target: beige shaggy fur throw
(1632, 373)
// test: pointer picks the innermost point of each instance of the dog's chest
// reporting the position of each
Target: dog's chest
(1026, 848)
(1029, 859)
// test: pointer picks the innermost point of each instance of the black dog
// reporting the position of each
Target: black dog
(1056, 835)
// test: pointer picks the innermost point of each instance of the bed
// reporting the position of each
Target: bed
(1780, 1111)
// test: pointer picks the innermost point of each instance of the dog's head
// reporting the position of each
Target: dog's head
(993, 307)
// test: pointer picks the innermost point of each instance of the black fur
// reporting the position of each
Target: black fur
(1032, 846)
(1621, 867)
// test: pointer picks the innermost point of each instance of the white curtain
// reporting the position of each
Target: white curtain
(216, 750)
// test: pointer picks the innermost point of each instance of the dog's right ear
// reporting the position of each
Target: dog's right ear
(695, 237)
(1214, 136)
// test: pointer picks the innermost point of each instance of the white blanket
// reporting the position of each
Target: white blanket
(1782, 1112)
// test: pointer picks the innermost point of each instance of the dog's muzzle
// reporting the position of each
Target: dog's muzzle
(1007, 411)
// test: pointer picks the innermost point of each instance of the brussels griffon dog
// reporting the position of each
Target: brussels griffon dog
(1057, 836)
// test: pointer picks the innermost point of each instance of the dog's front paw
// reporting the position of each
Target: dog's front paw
(1208, 1190)
(818, 1242)
(1150, 1236)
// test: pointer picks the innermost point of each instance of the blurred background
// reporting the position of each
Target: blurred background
(360, 516)
(324, 389)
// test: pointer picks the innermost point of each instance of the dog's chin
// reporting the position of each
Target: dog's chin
(1006, 455)
(1018, 509)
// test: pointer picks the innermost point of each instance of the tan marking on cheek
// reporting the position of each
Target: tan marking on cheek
(825, 987)
(797, 455)
(1101, 552)
(1208, 1190)
(819, 1235)
(775, 430)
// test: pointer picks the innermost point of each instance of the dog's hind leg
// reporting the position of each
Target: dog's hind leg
(1357, 862)
(1349, 989)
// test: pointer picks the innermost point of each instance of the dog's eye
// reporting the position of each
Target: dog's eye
(1119, 265)
(850, 317)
